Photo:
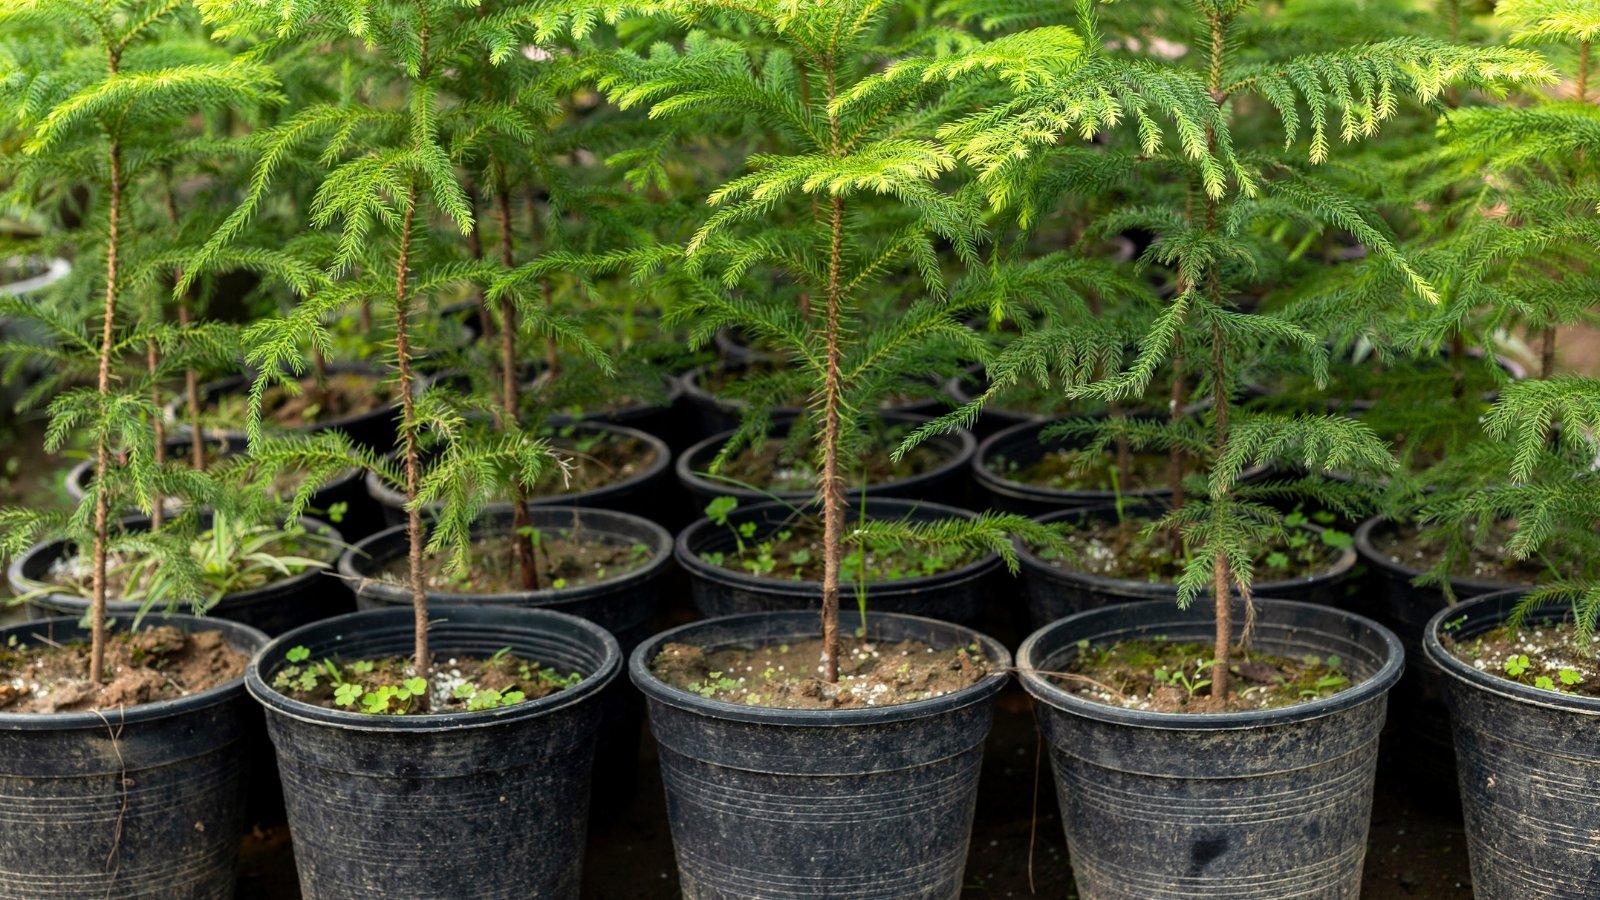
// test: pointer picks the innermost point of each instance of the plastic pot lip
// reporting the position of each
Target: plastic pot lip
(432, 723)
(684, 550)
(1042, 688)
(961, 444)
(78, 477)
(236, 382)
(350, 564)
(1032, 563)
(1371, 555)
(1029, 431)
(243, 637)
(55, 269)
(116, 606)
(1493, 607)
(671, 384)
(385, 493)
(807, 622)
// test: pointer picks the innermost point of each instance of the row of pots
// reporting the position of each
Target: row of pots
(871, 802)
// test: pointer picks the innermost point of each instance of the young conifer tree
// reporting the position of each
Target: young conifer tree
(1528, 251)
(1187, 115)
(103, 95)
(847, 197)
(388, 176)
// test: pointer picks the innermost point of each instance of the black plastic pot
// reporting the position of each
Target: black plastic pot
(374, 430)
(139, 802)
(1263, 804)
(1529, 764)
(1422, 720)
(787, 803)
(273, 608)
(470, 804)
(957, 595)
(1022, 445)
(717, 413)
(623, 606)
(1052, 593)
(640, 494)
(946, 483)
(361, 515)
(29, 276)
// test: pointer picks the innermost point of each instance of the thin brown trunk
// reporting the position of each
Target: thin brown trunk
(408, 434)
(1219, 401)
(527, 562)
(831, 485)
(191, 378)
(158, 503)
(1547, 351)
(1224, 635)
(319, 379)
(1583, 71)
(191, 394)
(102, 450)
(833, 509)
(475, 247)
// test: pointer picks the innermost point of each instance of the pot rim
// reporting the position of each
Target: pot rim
(121, 606)
(281, 704)
(381, 491)
(807, 623)
(690, 560)
(1371, 554)
(1375, 685)
(661, 555)
(243, 638)
(1496, 606)
(960, 442)
(1032, 562)
(220, 386)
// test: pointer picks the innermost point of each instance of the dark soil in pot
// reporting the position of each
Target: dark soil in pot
(356, 402)
(612, 468)
(1393, 559)
(358, 516)
(935, 470)
(1104, 568)
(441, 791)
(1015, 470)
(1528, 759)
(140, 801)
(1267, 803)
(273, 607)
(787, 574)
(706, 388)
(790, 803)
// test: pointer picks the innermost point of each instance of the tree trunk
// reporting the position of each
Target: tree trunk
(527, 561)
(102, 450)
(408, 433)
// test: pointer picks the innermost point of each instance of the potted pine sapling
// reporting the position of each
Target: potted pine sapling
(862, 748)
(502, 702)
(1138, 696)
(1520, 672)
(534, 542)
(610, 466)
(93, 706)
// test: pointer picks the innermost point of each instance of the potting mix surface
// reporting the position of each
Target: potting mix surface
(562, 559)
(789, 676)
(154, 664)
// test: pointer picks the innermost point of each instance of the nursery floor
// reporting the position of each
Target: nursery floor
(1413, 852)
